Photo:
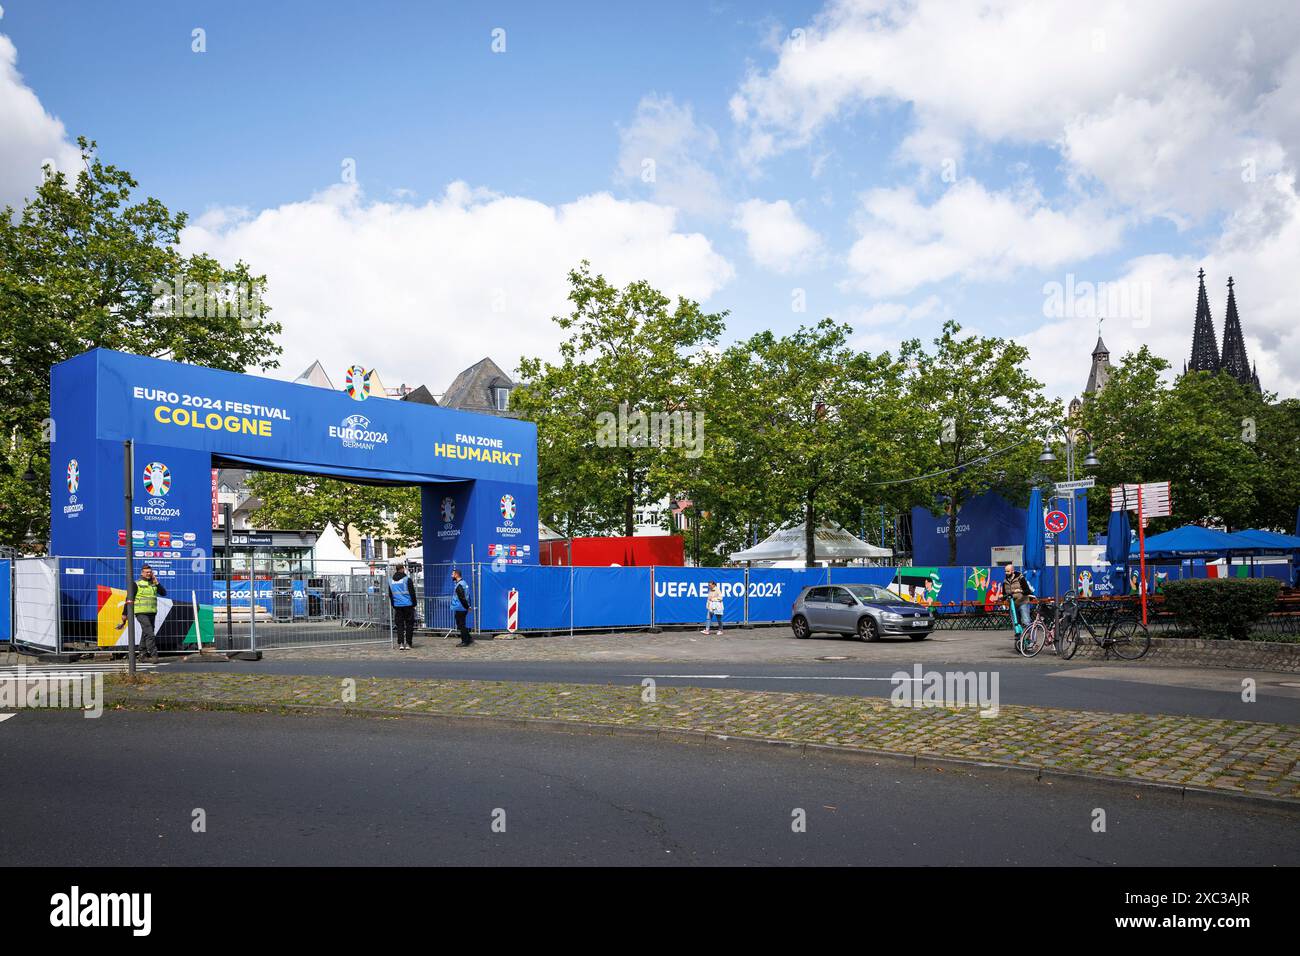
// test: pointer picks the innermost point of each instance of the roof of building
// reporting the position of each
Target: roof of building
(471, 390)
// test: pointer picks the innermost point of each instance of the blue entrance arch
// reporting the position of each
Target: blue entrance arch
(477, 473)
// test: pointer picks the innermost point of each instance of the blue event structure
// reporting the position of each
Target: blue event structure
(477, 473)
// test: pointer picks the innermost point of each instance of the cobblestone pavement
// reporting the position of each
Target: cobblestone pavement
(1221, 755)
(751, 645)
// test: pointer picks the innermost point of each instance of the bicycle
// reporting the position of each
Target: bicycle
(1126, 635)
(1040, 633)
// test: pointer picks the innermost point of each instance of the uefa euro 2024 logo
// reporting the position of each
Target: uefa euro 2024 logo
(507, 506)
(357, 383)
(157, 479)
(74, 476)
(448, 509)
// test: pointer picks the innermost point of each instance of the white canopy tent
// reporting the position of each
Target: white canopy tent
(332, 556)
(830, 543)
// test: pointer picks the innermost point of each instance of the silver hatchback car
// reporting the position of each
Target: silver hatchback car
(862, 609)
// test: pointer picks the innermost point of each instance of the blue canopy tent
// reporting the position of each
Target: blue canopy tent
(1193, 541)
(1035, 555)
(1118, 536)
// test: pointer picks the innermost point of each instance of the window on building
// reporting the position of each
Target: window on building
(502, 398)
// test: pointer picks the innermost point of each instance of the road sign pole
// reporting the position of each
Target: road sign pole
(1142, 557)
(128, 606)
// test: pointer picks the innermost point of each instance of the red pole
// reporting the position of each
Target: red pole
(1142, 559)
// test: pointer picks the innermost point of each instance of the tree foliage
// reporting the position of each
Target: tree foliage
(83, 266)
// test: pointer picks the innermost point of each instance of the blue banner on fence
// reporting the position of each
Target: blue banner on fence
(681, 594)
(265, 592)
(772, 590)
(6, 608)
(543, 598)
(611, 597)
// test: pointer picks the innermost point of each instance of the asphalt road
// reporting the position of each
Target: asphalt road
(275, 790)
(1127, 689)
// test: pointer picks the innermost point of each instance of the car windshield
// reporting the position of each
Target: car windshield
(869, 592)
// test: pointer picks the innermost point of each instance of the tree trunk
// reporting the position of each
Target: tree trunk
(629, 502)
(810, 531)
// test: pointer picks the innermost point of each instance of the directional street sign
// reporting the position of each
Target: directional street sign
(1157, 500)
(1064, 486)
(1056, 521)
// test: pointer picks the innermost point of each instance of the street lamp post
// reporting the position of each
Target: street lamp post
(1070, 437)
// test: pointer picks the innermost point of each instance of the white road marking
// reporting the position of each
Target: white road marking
(4, 717)
(759, 677)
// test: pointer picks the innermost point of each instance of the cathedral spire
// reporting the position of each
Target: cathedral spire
(1205, 348)
(1234, 360)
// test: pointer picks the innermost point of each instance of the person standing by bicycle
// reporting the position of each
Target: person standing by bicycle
(1017, 592)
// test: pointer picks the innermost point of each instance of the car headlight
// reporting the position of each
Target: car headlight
(891, 616)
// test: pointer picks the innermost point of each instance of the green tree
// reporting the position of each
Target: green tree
(981, 416)
(629, 374)
(84, 266)
(312, 501)
(802, 424)
(1229, 453)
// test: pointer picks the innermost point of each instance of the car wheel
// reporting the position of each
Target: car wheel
(868, 629)
(800, 627)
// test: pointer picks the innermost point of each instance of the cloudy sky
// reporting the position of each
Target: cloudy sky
(416, 179)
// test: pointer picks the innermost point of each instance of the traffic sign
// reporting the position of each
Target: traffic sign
(1064, 486)
(1056, 522)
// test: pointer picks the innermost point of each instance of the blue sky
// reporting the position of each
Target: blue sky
(893, 164)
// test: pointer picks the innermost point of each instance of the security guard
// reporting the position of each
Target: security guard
(462, 612)
(144, 595)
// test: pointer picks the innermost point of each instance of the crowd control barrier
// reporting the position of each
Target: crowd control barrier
(70, 605)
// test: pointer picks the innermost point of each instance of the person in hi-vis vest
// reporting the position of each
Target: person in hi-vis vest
(402, 597)
(143, 596)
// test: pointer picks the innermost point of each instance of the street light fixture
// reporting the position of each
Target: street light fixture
(1071, 437)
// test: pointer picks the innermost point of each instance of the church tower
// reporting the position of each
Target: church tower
(1234, 360)
(1205, 348)
(1098, 375)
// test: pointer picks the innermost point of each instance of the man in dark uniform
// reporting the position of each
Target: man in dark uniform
(401, 596)
(461, 594)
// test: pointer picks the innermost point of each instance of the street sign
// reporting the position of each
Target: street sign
(1064, 486)
(1056, 522)
(1157, 499)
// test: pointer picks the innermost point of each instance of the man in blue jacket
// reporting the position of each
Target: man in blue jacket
(461, 596)
(402, 597)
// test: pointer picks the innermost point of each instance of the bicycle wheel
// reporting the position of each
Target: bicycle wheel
(1129, 638)
(1067, 639)
(1034, 638)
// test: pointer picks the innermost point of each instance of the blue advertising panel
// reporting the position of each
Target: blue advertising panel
(611, 597)
(478, 472)
(542, 597)
(6, 608)
(681, 593)
(264, 592)
(772, 590)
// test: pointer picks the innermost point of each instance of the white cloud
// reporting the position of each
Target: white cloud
(665, 152)
(969, 233)
(1258, 249)
(31, 138)
(422, 291)
(776, 237)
